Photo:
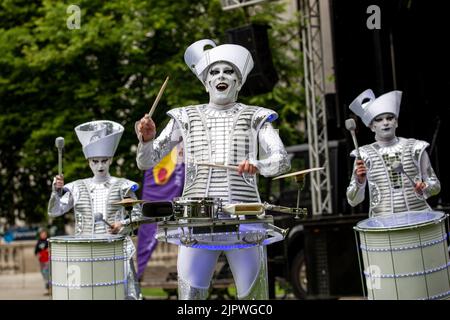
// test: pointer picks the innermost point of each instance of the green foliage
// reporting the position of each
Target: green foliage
(53, 78)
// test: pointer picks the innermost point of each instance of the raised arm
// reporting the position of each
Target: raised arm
(58, 205)
(151, 152)
(357, 185)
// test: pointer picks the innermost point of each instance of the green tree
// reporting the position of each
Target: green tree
(53, 78)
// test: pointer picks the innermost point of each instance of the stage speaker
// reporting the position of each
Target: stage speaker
(331, 255)
(255, 39)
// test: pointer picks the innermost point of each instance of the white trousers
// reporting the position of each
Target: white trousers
(196, 268)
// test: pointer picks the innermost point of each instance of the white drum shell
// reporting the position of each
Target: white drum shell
(88, 269)
(406, 262)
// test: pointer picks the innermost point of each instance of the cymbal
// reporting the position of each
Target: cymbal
(128, 202)
(294, 174)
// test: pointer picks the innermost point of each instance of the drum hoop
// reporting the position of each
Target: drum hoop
(88, 285)
(403, 227)
(268, 235)
(195, 200)
(75, 239)
(190, 219)
(100, 259)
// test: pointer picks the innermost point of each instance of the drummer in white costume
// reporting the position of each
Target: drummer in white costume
(390, 190)
(92, 198)
(225, 132)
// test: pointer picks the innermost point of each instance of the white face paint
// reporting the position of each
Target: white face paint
(384, 127)
(223, 84)
(100, 167)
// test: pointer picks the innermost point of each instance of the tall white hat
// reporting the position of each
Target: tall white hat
(198, 58)
(386, 103)
(99, 138)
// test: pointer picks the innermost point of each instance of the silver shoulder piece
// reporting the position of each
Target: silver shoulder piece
(418, 147)
(261, 116)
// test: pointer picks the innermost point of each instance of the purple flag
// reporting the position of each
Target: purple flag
(164, 181)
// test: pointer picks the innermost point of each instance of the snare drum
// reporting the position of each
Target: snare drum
(405, 256)
(196, 208)
(88, 267)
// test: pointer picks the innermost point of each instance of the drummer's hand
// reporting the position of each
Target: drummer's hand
(419, 187)
(147, 128)
(360, 171)
(246, 167)
(116, 227)
(58, 182)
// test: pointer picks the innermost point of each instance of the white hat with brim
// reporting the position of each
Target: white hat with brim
(199, 58)
(99, 138)
(386, 103)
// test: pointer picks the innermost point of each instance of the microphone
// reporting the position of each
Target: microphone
(98, 217)
(350, 125)
(398, 168)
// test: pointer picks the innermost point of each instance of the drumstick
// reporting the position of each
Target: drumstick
(59, 143)
(150, 113)
(398, 167)
(223, 166)
(350, 125)
(99, 217)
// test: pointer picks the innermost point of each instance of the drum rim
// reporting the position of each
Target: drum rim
(198, 200)
(403, 227)
(86, 239)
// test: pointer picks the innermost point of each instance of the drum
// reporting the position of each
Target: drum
(405, 256)
(88, 268)
(196, 208)
(221, 234)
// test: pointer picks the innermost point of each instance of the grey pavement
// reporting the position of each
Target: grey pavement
(22, 286)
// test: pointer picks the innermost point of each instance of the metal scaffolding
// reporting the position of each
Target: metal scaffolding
(316, 117)
(233, 4)
(315, 105)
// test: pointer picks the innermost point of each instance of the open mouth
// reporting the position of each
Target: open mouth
(222, 86)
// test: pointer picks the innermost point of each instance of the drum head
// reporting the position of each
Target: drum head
(403, 220)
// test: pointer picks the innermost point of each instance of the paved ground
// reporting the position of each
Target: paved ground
(30, 286)
(27, 286)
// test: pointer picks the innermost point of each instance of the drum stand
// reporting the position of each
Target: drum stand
(128, 204)
(299, 212)
(300, 179)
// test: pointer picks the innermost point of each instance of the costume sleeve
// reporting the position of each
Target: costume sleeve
(433, 186)
(355, 190)
(150, 153)
(274, 159)
(128, 190)
(58, 205)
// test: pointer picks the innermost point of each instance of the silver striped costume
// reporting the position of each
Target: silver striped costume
(222, 135)
(87, 197)
(391, 192)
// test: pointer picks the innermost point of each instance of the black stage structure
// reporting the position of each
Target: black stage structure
(408, 54)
